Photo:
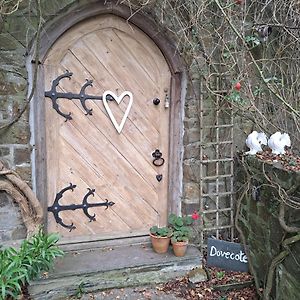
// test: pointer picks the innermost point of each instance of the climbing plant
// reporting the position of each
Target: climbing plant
(8, 7)
(252, 48)
(254, 43)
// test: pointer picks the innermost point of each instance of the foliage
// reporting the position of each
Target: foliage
(180, 226)
(220, 274)
(177, 222)
(181, 235)
(79, 291)
(18, 267)
(251, 41)
(161, 231)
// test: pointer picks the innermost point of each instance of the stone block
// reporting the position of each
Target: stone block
(191, 111)
(16, 134)
(192, 150)
(11, 222)
(190, 123)
(188, 207)
(99, 269)
(6, 89)
(4, 200)
(191, 136)
(287, 285)
(22, 155)
(197, 275)
(24, 172)
(191, 190)
(22, 27)
(264, 233)
(7, 42)
(50, 7)
(4, 151)
(191, 170)
(290, 263)
(13, 61)
(5, 236)
(10, 217)
(19, 232)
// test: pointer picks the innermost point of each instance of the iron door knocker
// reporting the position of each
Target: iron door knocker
(158, 159)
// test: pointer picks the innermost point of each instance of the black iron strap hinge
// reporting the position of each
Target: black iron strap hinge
(56, 208)
(53, 94)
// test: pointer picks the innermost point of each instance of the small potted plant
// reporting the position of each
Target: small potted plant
(181, 232)
(180, 240)
(160, 238)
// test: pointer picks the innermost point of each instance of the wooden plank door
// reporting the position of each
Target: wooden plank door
(87, 150)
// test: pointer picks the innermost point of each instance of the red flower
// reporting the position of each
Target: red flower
(239, 1)
(238, 86)
(195, 215)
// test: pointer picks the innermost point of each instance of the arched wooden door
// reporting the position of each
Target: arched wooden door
(87, 150)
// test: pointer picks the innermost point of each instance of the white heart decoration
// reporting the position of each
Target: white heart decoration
(118, 100)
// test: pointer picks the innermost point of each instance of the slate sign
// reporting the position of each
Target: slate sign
(226, 255)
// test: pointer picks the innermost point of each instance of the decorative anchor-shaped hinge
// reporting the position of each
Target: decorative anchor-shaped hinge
(53, 94)
(56, 208)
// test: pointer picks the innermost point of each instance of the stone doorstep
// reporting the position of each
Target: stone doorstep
(109, 267)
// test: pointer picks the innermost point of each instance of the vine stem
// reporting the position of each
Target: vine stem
(278, 259)
(10, 181)
(33, 89)
(239, 229)
(260, 72)
(281, 218)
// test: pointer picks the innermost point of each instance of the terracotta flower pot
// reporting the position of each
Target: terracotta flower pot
(160, 244)
(179, 248)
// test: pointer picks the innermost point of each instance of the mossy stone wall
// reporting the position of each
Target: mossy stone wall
(259, 220)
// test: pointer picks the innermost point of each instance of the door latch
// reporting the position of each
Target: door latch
(167, 99)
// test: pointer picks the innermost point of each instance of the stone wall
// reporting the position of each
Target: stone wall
(14, 141)
(11, 224)
(259, 220)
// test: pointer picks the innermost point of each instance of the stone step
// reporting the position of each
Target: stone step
(112, 267)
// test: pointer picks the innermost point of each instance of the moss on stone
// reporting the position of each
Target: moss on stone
(260, 223)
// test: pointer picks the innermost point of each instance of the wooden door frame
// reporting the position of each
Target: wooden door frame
(52, 31)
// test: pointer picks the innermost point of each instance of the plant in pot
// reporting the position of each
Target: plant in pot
(160, 238)
(181, 232)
